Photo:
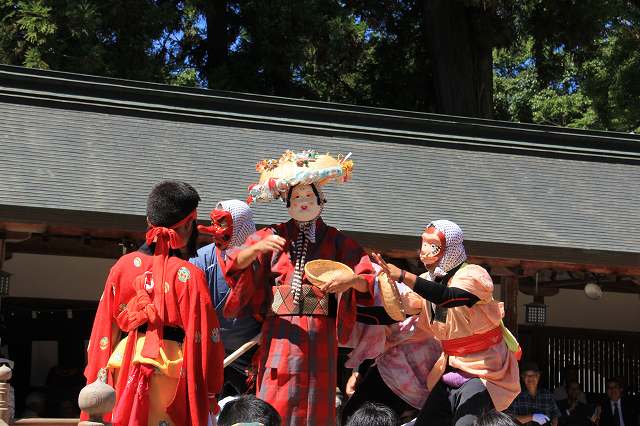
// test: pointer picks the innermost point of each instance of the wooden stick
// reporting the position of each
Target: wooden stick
(241, 350)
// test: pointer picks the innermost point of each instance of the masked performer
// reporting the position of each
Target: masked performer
(168, 369)
(478, 369)
(298, 365)
(231, 224)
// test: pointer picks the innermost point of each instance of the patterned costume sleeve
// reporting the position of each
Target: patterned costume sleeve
(476, 280)
(203, 350)
(104, 332)
(104, 335)
(349, 252)
(352, 254)
(249, 286)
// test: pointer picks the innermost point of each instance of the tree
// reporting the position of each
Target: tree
(562, 62)
(113, 38)
(573, 64)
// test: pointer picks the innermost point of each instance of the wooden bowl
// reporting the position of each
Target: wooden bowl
(391, 298)
(321, 271)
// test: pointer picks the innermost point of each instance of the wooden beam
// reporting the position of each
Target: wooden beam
(509, 296)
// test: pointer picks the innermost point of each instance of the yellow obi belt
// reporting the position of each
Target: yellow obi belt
(168, 362)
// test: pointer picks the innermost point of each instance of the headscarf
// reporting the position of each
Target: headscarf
(242, 224)
(454, 253)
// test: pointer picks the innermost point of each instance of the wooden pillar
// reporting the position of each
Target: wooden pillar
(3, 248)
(509, 295)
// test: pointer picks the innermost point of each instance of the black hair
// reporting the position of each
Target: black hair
(617, 380)
(371, 414)
(529, 366)
(313, 188)
(171, 201)
(248, 408)
(494, 418)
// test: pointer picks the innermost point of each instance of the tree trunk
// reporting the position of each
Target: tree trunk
(461, 56)
(217, 44)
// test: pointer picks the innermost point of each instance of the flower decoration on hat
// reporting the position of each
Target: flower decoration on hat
(306, 167)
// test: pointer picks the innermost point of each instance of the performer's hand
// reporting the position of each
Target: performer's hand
(392, 271)
(342, 283)
(352, 383)
(269, 243)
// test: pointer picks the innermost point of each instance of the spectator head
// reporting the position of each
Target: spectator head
(35, 404)
(494, 418)
(371, 414)
(614, 388)
(530, 374)
(573, 390)
(570, 373)
(248, 409)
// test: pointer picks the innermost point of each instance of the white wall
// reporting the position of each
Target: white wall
(571, 308)
(80, 278)
(57, 277)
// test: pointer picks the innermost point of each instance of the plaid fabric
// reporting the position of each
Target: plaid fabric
(314, 301)
(247, 297)
(298, 366)
(526, 404)
(298, 369)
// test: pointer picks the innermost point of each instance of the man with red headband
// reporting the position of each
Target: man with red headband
(168, 368)
(298, 365)
(478, 369)
(231, 224)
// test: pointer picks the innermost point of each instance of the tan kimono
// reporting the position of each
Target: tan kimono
(496, 366)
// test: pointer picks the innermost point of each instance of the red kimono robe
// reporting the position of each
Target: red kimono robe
(298, 365)
(187, 306)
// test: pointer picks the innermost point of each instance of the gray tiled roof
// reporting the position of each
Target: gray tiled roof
(90, 144)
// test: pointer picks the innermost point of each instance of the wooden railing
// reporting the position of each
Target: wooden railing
(95, 399)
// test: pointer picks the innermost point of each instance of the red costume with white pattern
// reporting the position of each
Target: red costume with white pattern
(154, 293)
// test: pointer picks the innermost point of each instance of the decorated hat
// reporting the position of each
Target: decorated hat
(306, 167)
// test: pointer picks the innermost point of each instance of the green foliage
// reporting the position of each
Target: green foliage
(575, 63)
(561, 62)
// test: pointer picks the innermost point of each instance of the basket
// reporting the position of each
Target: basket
(391, 298)
(321, 271)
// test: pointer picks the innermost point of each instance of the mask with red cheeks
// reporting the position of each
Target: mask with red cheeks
(432, 248)
(221, 228)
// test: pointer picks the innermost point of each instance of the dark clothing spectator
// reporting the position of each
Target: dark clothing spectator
(623, 411)
(542, 402)
(577, 414)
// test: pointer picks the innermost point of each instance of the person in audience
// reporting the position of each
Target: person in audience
(35, 405)
(494, 418)
(370, 414)
(573, 411)
(534, 405)
(570, 374)
(617, 409)
(248, 409)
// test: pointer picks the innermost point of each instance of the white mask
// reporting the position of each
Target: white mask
(303, 204)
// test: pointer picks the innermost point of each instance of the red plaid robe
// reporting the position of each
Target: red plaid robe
(298, 366)
(188, 307)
